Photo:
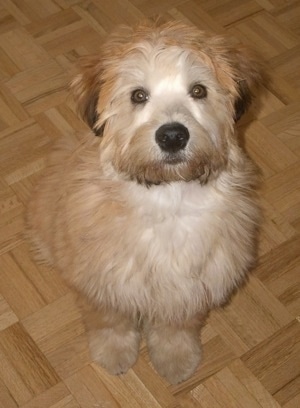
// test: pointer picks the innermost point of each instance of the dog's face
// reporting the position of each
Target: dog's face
(165, 101)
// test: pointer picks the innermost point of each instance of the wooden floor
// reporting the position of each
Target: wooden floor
(252, 348)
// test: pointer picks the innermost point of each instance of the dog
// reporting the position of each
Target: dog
(153, 216)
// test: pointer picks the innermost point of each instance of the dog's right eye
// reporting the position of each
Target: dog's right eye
(139, 96)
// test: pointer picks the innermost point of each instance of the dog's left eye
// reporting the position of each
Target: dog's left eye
(198, 91)
(139, 96)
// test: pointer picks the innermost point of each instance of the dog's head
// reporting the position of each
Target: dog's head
(165, 99)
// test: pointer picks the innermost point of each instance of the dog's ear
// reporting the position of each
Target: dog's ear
(238, 69)
(243, 100)
(248, 74)
(86, 88)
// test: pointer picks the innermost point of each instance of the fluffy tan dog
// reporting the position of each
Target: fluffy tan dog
(153, 222)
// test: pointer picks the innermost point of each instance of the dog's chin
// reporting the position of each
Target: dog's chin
(171, 168)
(164, 168)
(173, 159)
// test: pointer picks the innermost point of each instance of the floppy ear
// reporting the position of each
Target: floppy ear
(238, 69)
(243, 100)
(248, 74)
(86, 88)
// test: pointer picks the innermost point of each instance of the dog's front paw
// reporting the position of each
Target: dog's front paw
(116, 352)
(175, 358)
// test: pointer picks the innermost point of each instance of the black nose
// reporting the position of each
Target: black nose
(172, 137)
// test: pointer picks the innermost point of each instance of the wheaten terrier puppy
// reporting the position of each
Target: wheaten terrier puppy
(153, 222)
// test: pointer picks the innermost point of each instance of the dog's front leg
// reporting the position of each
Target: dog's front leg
(174, 350)
(113, 338)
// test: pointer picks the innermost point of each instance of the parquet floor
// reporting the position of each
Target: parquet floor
(251, 348)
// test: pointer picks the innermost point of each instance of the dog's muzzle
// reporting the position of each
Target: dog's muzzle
(172, 137)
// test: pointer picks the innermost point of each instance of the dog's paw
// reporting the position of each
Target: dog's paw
(176, 358)
(114, 352)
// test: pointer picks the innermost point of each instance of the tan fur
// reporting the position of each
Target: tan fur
(144, 240)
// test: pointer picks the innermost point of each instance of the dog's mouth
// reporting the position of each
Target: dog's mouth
(173, 158)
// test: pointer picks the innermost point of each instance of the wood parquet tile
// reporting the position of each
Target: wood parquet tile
(251, 347)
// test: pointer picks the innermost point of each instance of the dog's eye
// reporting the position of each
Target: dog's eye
(198, 91)
(139, 96)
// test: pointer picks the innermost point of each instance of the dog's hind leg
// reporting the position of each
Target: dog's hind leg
(175, 351)
(113, 339)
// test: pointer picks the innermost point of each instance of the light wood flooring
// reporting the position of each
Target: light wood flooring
(252, 347)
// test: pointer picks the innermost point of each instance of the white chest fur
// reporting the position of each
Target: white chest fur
(159, 263)
(172, 219)
(166, 251)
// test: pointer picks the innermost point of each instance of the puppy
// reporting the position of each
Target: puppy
(154, 221)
